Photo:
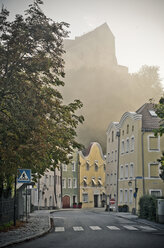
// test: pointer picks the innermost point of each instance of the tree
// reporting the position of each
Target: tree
(160, 112)
(37, 129)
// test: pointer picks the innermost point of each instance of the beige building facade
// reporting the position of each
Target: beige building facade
(92, 176)
(137, 165)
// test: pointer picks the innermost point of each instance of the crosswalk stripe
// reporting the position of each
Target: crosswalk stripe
(78, 228)
(131, 228)
(95, 228)
(148, 228)
(59, 229)
(113, 228)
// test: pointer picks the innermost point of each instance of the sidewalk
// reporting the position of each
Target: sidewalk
(135, 218)
(38, 224)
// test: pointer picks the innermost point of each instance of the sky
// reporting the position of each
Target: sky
(137, 25)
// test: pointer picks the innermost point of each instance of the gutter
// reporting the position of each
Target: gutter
(143, 171)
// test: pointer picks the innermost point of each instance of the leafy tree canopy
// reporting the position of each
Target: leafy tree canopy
(160, 112)
(36, 128)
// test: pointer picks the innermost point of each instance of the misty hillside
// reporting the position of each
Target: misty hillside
(106, 89)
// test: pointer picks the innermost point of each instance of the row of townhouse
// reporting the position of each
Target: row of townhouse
(81, 181)
(132, 169)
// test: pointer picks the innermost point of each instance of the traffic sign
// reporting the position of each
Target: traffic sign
(112, 201)
(24, 176)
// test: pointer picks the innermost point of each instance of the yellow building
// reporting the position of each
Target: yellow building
(92, 176)
(137, 168)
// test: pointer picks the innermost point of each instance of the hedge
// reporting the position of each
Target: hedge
(147, 206)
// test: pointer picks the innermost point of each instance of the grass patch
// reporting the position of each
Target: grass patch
(10, 226)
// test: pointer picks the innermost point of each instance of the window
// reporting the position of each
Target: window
(45, 179)
(112, 136)
(121, 172)
(64, 183)
(69, 183)
(121, 196)
(153, 143)
(132, 144)
(127, 130)
(154, 170)
(73, 166)
(64, 167)
(125, 196)
(115, 155)
(127, 145)
(96, 166)
(85, 181)
(131, 171)
(122, 147)
(107, 179)
(115, 178)
(131, 196)
(108, 158)
(49, 180)
(132, 128)
(112, 156)
(93, 182)
(74, 183)
(126, 171)
(153, 113)
(155, 192)
(85, 197)
(111, 178)
(122, 132)
(87, 165)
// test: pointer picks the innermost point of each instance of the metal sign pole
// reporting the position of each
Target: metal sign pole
(15, 200)
(26, 202)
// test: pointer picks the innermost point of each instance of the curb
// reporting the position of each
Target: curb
(51, 225)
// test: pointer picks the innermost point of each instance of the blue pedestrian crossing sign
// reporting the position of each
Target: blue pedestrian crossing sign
(24, 176)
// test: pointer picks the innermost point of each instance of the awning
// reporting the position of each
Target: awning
(85, 180)
(100, 182)
(93, 181)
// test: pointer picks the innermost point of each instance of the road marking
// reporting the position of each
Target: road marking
(78, 228)
(131, 228)
(95, 228)
(147, 228)
(59, 229)
(113, 228)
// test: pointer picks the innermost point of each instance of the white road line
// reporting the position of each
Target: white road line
(148, 228)
(78, 228)
(113, 228)
(131, 228)
(95, 228)
(59, 229)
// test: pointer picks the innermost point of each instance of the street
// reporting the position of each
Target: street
(94, 228)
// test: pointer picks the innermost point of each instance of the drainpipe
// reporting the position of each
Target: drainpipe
(118, 157)
(143, 171)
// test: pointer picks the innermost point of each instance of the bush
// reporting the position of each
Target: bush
(147, 206)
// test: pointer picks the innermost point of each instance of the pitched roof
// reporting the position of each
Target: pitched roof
(150, 121)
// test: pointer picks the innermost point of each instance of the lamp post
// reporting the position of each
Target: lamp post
(136, 190)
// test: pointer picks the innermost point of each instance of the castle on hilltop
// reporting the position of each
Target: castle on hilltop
(93, 49)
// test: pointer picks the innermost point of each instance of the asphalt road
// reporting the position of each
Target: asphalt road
(94, 229)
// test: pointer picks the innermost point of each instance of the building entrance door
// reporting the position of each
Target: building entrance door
(95, 201)
(66, 201)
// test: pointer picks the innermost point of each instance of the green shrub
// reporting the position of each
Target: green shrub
(147, 206)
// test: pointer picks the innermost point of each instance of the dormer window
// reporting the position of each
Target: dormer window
(87, 165)
(96, 166)
(153, 113)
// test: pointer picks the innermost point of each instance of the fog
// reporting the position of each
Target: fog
(106, 89)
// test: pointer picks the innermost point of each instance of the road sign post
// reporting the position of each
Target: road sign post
(24, 176)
